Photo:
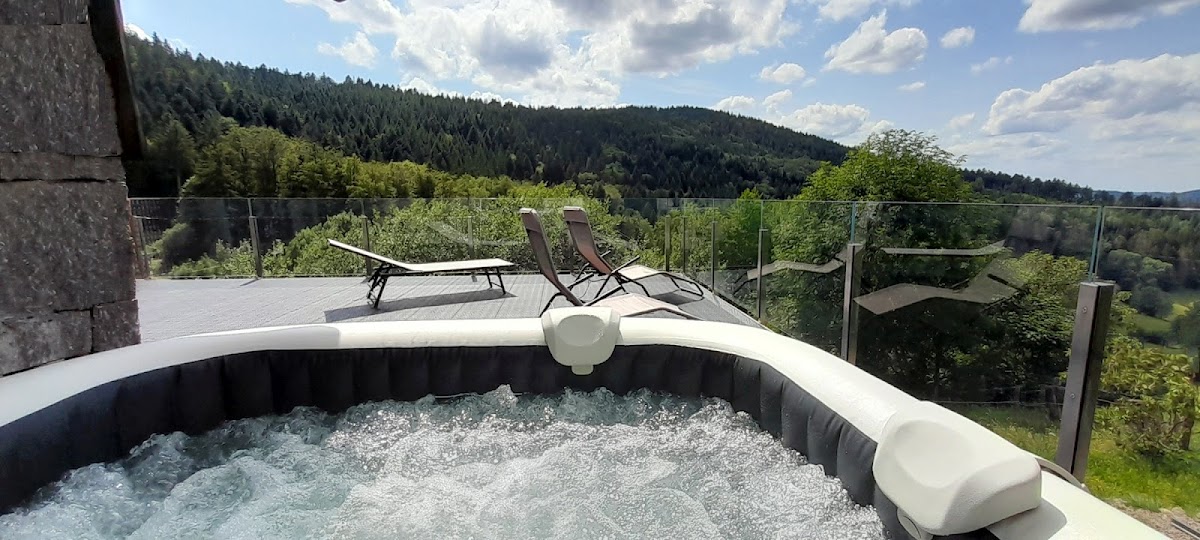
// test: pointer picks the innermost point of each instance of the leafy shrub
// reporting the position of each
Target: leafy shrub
(1155, 398)
(226, 261)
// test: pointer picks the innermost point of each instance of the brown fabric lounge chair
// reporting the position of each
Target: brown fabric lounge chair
(585, 244)
(390, 268)
(629, 305)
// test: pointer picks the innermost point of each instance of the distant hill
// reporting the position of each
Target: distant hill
(1187, 197)
(646, 151)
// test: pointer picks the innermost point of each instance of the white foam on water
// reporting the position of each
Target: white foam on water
(577, 465)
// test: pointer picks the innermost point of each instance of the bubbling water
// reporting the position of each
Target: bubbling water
(576, 465)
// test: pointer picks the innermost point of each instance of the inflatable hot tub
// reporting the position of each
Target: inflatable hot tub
(927, 471)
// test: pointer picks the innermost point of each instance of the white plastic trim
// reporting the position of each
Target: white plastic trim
(581, 337)
(30, 391)
(949, 475)
(857, 396)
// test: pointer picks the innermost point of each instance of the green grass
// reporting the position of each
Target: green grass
(1181, 300)
(1150, 324)
(1113, 473)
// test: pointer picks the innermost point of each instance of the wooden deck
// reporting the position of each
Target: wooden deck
(173, 308)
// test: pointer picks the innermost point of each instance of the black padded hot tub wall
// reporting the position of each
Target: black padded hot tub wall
(105, 423)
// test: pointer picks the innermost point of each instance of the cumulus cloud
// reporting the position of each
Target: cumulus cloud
(1049, 15)
(837, 10)
(561, 52)
(735, 103)
(958, 37)
(828, 120)
(871, 49)
(425, 87)
(1161, 95)
(786, 73)
(912, 86)
(773, 101)
(136, 30)
(1008, 147)
(960, 122)
(358, 50)
(990, 64)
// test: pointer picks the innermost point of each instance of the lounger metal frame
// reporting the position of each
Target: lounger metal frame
(388, 268)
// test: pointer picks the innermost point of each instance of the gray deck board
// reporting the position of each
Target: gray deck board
(173, 308)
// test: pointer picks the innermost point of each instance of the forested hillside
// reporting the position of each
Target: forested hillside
(189, 102)
(646, 151)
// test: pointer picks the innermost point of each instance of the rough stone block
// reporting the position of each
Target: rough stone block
(115, 325)
(74, 11)
(31, 12)
(63, 246)
(47, 166)
(55, 94)
(33, 341)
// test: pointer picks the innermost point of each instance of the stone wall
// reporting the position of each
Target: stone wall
(66, 258)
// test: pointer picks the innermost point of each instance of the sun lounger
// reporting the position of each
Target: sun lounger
(387, 268)
(585, 244)
(629, 305)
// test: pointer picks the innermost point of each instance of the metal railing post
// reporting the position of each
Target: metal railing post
(139, 232)
(683, 244)
(667, 240)
(713, 263)
(471, 237)
(850, 289)
(258, 263)
(762, 255)
(1097, 237)
(368, 265)
(1083, 376)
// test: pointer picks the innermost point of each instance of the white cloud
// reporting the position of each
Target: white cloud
(827, 120)
(786, 73)
(358, 51)
(958, 37)
(1161, 95)
(912, 86)
(871, 49)
(837, 10)
(562, 52)
(1007, 147)
(136, 30)
(960, 122)
(773, 101)
(1048, 15)
(735, 103)
(425, 87)
(990, 64)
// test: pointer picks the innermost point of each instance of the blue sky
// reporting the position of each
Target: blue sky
(1104, 93)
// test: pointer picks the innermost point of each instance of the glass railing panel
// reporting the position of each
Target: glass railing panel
(423, 230)
(804, 269)
(691, 226)
(200, 247)
(1153, 255)
(1150, 383)
(737, 225)
(973, 306)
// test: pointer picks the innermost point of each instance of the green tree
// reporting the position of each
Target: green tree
(894, 165)
(1186, 329)
(1150, 300)
(171, 154)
